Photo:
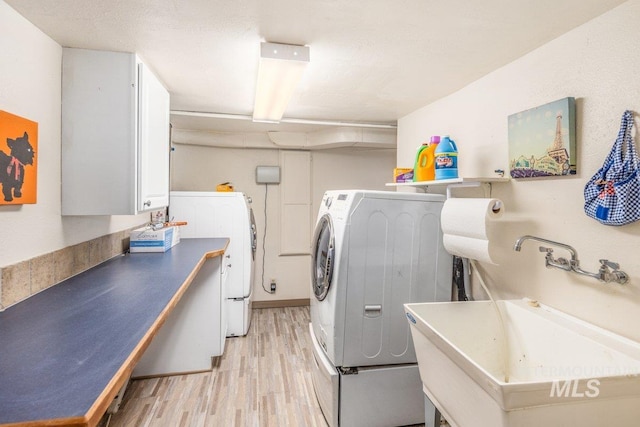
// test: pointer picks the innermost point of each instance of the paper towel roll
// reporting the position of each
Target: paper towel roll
(470, 217)
(468, 247)
(467, 225)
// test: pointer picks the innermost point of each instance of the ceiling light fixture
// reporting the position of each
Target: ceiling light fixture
(281, 67)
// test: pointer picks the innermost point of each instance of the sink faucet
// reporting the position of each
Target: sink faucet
(609, 271)
(550, 261)
(518, 245)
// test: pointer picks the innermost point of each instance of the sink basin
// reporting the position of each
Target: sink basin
(531, 366)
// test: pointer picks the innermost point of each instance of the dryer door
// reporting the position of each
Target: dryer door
(322, 257)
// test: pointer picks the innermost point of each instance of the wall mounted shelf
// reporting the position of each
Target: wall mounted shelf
(445, 182)
(484, 182)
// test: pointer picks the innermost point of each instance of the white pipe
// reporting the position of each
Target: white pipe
(211, 115)
(284, 120)
(330, 123)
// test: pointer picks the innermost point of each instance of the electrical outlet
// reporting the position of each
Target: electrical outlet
(273, 286)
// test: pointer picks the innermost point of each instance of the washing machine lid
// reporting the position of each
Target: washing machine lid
(322, 257)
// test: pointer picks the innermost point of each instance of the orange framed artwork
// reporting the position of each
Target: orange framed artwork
(18, 160)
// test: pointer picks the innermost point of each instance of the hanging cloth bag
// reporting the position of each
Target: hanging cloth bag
(612, 195)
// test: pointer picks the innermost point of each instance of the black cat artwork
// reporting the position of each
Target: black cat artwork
(12, 166)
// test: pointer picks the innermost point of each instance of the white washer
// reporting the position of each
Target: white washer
(372, 252)
(224, 214)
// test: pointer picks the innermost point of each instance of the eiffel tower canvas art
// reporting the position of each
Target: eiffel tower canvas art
(542, 141)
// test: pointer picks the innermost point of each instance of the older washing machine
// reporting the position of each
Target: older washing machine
(373, 251)
(224, 214)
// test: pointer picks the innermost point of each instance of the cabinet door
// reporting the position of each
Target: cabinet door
(154, 145)
(98, 132)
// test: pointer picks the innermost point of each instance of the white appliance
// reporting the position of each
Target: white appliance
(178, 346)
(373, 251)
(224, 214)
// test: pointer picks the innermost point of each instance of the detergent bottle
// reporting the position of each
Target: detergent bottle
(446, 159)
(424, 168)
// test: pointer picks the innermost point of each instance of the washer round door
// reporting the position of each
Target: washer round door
(322, 257)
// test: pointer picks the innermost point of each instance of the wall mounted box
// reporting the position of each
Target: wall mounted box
(268, 175)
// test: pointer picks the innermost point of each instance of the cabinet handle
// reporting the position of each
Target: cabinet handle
(147, 203)
(228, 265)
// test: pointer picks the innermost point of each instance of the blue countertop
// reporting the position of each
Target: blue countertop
(65, 352)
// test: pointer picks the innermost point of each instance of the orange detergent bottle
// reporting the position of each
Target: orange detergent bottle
(424, 168)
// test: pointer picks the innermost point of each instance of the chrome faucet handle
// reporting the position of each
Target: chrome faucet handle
(620, 277)
(561, 263)
(604, 263)
(549, 261)
(616, 275)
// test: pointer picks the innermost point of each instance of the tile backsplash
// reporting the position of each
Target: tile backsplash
(21, 280)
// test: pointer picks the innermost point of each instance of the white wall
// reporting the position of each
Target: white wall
(598, 64)
(344, 168)
(31, 85)
(200, 168)
(30, 88)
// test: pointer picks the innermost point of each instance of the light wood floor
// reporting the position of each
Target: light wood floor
(263, 379)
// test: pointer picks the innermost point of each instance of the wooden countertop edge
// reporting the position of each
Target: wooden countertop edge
(71, 422)
(92, 418)
(97, 410)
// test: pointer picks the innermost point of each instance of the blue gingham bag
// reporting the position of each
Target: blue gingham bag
(612, 195)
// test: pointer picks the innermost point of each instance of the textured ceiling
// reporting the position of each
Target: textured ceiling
(371, 60)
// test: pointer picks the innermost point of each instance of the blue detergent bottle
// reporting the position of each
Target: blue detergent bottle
(446, 159)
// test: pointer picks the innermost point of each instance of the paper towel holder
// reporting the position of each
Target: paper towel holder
(469, 184)
(495, 208)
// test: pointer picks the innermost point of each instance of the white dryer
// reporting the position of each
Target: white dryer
(224, 214)
(373, 251)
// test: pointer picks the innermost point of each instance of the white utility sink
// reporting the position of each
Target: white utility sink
(561, 371)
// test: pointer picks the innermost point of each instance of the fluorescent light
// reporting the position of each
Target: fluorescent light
(281, 67)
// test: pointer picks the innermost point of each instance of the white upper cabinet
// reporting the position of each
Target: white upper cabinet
(153, 142)
(115, 135)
